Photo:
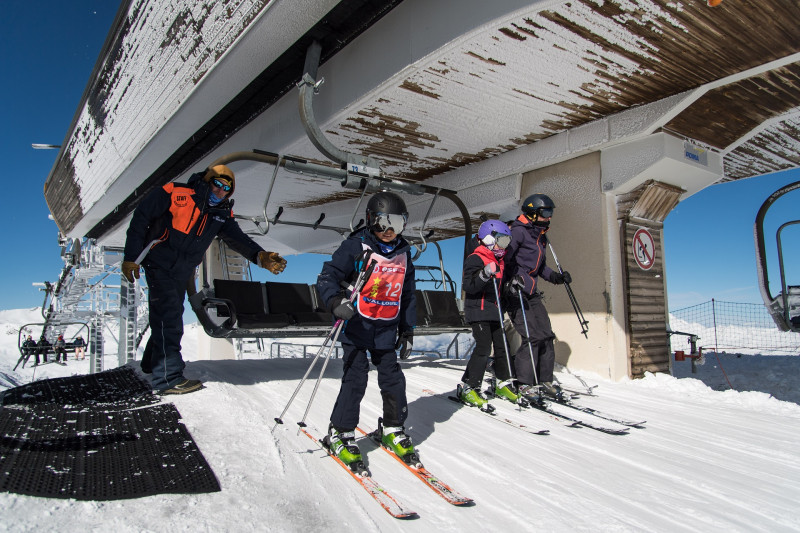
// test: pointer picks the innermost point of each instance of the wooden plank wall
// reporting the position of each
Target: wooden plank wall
(645, 295)
(646, 306)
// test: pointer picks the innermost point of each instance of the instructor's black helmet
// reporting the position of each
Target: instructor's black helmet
(380, 208)
(538, 205)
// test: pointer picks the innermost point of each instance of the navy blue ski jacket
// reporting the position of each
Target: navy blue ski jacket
(361, 331)
(179, 219)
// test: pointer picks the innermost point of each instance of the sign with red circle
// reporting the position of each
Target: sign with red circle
(644, 249)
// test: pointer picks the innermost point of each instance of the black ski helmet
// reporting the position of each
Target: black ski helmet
(538, 205)
(385, 203)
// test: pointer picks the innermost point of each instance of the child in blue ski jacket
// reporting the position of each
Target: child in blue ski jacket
(381, 321)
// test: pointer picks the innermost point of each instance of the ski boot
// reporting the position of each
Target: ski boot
(343, 445)
(553, 391)
(471, 396)
(532, 394)
(505, 390)
(395, 440)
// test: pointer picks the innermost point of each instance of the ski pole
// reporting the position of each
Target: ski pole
(362, 278)
(332, 336)
(339, 326)
(503, 329)
(583, 322)
(528, 336)
(588, 387)
(335, 328)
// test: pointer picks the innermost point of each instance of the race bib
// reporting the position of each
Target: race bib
(380, 297)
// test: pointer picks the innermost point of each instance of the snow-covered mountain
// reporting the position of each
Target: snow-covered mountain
(706, 460)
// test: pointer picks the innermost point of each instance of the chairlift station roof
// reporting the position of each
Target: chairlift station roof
(460, 94)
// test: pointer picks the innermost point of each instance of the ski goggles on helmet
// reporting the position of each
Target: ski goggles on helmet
(502, 240)
(545, 212)
(386, 221)
(224, 185)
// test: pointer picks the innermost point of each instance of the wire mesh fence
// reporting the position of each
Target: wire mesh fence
(733, 328)
(447, 346)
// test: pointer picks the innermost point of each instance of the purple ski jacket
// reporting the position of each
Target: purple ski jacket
(525, 256)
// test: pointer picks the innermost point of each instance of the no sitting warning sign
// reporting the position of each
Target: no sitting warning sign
(644, 249)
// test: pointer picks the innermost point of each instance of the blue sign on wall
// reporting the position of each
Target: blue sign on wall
(694, 153)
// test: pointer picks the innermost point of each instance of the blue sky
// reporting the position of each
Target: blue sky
(48, 50)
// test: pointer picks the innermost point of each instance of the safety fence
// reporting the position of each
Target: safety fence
(447, 346)
(730, 327)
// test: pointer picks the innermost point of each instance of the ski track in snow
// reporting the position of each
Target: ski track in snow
(705, 460)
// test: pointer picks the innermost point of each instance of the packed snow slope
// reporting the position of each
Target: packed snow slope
(706, 460)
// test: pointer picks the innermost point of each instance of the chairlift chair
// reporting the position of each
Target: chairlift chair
(785, 306)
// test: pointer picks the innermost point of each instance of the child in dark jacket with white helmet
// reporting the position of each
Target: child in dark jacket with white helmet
(483, 272)
(381, 322)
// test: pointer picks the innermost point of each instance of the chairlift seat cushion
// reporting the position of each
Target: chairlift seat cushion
(298, 300)
(443, 309)
(250, 303)
(248, 297)
(423, 313)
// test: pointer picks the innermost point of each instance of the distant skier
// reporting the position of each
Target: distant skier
(381, 322)
(80, 348)
(482, 269)
(525, 265)
(29, 348)
(61, 350)
(42, 347)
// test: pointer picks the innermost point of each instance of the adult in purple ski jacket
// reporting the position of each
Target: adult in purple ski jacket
(525, 266)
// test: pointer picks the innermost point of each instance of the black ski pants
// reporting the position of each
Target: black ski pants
(486, 335)
(537, 341)
(391, 382)
(165, 298)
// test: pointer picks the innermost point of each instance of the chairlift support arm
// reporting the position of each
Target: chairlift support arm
(353, 171)
(777, 307)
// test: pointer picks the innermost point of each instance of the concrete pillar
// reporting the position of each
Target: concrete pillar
(585, 236)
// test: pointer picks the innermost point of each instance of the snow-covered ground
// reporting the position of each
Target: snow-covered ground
(708, 460)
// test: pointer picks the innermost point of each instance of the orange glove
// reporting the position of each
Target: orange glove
(130, 270)
(271, 261)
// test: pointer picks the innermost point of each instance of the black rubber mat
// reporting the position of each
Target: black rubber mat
(96, 451)
(120, 385)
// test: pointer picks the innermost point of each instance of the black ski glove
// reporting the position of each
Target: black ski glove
(342, 308)
(558, 278)
(405, 341)
(512, 287)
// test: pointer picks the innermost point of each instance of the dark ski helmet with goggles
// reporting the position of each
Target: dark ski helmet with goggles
(496, 236)
(537, 206)
(386, 211)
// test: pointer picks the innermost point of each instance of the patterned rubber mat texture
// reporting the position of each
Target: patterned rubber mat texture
(120, 387)
(86, 449)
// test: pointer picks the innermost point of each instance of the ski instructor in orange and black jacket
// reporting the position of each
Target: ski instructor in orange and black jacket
(169, 233)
